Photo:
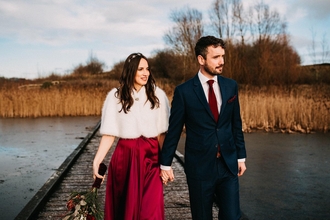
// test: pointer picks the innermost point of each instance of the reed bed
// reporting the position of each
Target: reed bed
(61, 100)
(297, 108)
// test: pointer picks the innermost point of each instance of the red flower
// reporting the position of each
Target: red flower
(70, 205)
(85, 205)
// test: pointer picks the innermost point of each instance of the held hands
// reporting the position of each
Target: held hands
(241, 168)
(167, 175)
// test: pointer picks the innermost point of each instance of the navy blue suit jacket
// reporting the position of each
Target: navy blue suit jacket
(190, 109)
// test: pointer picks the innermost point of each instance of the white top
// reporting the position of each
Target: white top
(140, 120)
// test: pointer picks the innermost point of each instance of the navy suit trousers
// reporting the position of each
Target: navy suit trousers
(223, 186)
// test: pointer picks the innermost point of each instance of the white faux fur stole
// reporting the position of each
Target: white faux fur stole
(141, 120)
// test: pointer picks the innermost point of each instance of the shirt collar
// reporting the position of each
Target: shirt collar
(204, 79)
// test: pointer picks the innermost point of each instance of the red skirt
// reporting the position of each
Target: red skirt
(134, 188)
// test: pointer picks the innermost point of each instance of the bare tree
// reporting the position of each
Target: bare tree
(325, 49)
(266, 23)
(216, 17)
(187, 30)
(264, 58)
(184, 34)
(313, 47)
(221, 18)
(239, 19)
(319, 50)
(221, 22)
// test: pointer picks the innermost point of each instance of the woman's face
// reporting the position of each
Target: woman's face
(142, 75)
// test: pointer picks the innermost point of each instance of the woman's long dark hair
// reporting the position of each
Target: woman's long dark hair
(124, 92)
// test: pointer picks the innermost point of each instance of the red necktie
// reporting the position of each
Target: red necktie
(213, 101)
(214, 107)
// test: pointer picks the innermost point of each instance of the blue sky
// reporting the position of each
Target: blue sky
(38, 37)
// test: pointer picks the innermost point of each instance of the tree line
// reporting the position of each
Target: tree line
(258, 49)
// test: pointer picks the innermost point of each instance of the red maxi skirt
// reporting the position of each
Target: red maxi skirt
(134, 188)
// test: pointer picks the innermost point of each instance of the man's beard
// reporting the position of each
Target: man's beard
(211, 72)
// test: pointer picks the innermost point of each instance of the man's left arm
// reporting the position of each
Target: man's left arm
(238, 135)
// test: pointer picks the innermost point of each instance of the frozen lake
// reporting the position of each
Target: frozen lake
(31, 150)
(287, 174)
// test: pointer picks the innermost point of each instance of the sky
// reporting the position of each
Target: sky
(40, 37)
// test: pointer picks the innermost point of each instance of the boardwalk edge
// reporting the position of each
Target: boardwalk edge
(37, 202)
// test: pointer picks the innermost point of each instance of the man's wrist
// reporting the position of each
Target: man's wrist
(163, 167)
(241, 160)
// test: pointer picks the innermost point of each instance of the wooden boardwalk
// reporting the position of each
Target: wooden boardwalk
(78, 177)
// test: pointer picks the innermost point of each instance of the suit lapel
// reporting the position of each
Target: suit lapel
(223, 92)
(198, 89)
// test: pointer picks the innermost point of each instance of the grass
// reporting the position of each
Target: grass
(49, 100)
(296, 108)
(301, 108)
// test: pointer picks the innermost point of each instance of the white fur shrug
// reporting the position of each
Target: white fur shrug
(141, 120)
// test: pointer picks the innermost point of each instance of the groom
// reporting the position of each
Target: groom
(208, 106)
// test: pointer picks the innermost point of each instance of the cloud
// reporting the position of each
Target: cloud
(57, 34)
(49, 35)
(316, 9)
(59, 22)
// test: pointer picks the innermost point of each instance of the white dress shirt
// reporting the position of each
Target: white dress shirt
(206, 88)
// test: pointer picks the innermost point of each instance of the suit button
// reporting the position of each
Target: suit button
(216, 145)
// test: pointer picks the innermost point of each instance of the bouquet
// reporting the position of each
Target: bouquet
(84, 205)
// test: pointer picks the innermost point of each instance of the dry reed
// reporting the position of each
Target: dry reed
(299, 108)
(62, 100)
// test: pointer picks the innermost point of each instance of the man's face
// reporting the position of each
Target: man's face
(213, 64)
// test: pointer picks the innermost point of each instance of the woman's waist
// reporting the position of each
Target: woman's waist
(136, 138)
(141, 144)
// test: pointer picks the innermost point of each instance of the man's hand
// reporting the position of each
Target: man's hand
(167, 175)
(241, 168)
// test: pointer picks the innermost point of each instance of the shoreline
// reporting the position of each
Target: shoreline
(245, 130)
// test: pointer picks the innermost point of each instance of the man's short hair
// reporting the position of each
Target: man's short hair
(204, 42)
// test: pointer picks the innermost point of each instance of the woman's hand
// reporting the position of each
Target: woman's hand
(96, 172)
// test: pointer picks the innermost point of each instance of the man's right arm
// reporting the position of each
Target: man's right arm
(173, 135)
